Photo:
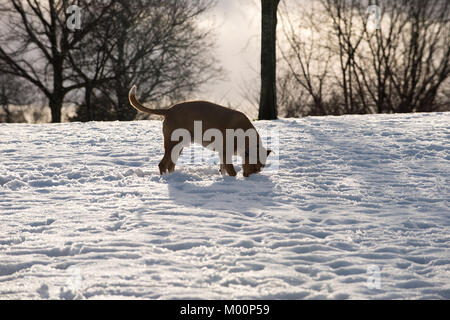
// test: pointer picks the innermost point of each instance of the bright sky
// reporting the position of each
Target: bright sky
(238, 38)
(238, 28)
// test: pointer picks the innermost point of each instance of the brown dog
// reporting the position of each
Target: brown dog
(211, 116)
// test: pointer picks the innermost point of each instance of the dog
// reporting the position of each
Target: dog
(212, 117)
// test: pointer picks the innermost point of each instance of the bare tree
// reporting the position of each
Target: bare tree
(13, 93)
(159, 46)
(347, 30)
(268, 93)
(307, 61)
(155, 44)
(409, 57)
(88, 61)
(401, 67)
(35, 43)
(424, 62)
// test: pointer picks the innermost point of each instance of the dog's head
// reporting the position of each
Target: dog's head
(250, 167)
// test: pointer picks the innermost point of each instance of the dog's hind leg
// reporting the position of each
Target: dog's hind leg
(162, 166)
(167, 164)
(227, 169)
(222, 168)
(230, 170)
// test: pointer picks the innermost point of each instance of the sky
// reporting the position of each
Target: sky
(237, 24)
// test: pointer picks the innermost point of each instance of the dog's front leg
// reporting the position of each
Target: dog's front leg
(230, 170)
(227, 169)
(226, 164)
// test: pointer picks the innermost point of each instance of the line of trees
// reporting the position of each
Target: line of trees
(155, 44)
(334, 58)
(336, 61)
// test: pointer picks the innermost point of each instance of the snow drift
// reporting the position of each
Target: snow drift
(357, 208)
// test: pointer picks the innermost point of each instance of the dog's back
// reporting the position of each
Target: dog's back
(212, 116)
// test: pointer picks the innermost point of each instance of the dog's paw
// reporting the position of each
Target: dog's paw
(232, 174)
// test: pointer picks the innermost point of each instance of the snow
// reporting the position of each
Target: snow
(357, 208)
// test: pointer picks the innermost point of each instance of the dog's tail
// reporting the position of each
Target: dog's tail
(140, 107)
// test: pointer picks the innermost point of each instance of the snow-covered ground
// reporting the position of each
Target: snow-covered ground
(359, 208)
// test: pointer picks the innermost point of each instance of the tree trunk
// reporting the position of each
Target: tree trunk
(124, 111)
(87, 101)
(55, 108)
(268, 94)
(4, 102)
(57, 97)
